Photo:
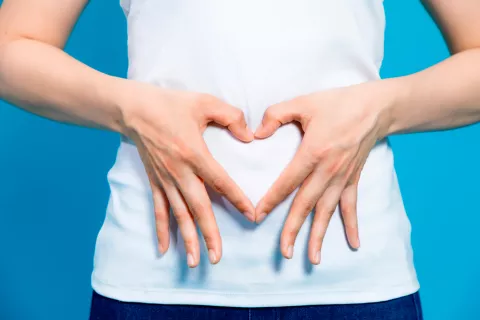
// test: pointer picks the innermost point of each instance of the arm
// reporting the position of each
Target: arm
(36, 75)
(446, 95)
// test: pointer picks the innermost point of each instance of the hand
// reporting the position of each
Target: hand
(167, 128)
(341, 126)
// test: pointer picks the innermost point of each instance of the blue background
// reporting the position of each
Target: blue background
(53, 189)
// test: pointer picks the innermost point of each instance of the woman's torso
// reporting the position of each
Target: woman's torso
(252, 54)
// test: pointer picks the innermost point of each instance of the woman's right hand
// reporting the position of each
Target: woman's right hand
(167, 126)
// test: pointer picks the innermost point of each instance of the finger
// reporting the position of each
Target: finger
(348, 209)
(323, 213)
(228, 116)
(160, 204)
(185, 222)
(196, 197)
(278, 115)
(348, 203)
(305, 200)
(214, 175)
(162, 216)
(291, 177)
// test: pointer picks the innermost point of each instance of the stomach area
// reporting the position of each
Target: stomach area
(251, 258)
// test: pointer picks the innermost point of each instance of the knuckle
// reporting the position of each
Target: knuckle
(190, 156)
(347, 200)
(316, 239)
(210, 239)
(189, 242)
(218, 185)
(319, 237)
(203, 100)
(330, 212)
(240, 203)
(173, 172)
(176, 148)
(318, 232)
(306, 209)
(315, 242)
(289, 234)
(316, 154)
(356, 177)
(182, 216)
(346, 209)
(198, 210)
(270, 114)
(350, 176)
(353, 140)
(325, 213)
(268, 202)
(306, 213)
(305, 204)
(184, 152)
(351, 225)
(238, 115)
(333, 168)
(161, 216)
(170, 166)
(349, 212)
(181, 151)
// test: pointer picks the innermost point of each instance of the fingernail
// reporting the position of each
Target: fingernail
(212, 256)
(261, 217)
(357, 242)
(290, 252)
(317, 258)
(251, 135)
(249, 216)
(190, 260)
(258, 131)
(160, 248)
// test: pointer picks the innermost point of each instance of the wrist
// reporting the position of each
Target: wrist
(121, 96)
(394, 93)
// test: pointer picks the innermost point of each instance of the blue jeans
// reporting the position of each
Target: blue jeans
(405, 308)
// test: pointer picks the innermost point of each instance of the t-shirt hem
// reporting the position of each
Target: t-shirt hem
(252, 300)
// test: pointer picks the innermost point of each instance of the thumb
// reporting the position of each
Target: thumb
(228, 116)
(276, 116)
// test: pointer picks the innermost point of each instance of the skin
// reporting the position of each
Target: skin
(167, 125)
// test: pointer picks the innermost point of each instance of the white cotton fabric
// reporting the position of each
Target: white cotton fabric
(252, 54)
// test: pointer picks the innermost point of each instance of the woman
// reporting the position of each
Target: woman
(241, 117)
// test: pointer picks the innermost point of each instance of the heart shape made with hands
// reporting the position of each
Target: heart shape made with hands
(325, 167)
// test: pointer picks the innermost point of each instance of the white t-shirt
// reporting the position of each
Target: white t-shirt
(252, 54)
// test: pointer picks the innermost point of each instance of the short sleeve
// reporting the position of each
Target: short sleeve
(125, 4)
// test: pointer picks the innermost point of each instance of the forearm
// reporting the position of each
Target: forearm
(44, 80)
(446, 95)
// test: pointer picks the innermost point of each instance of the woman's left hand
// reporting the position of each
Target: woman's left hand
(341, 127)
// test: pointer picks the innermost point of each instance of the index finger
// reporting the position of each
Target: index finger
(291, 177)
(207, 168)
